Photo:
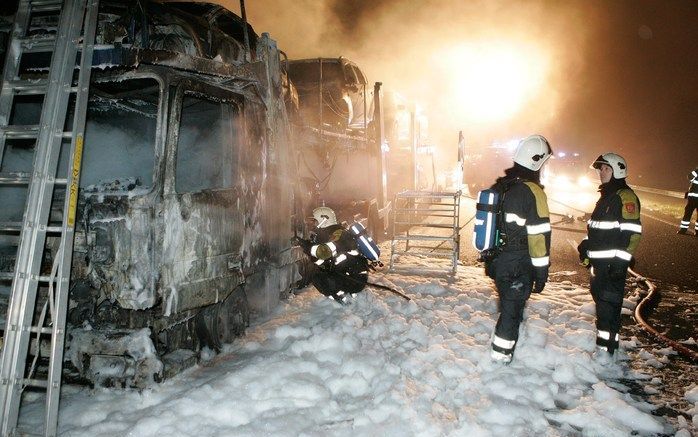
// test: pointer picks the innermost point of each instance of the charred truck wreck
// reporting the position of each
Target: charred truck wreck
(187, 201)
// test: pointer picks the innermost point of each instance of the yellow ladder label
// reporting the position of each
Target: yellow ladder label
(77, 162)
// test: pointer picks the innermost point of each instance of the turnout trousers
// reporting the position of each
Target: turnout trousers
(608, 296)
(691, 205)
(513, 278)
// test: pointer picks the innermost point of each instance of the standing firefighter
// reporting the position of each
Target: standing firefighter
(613, 235)
(340, 269)
(691, 204)
(521, 266)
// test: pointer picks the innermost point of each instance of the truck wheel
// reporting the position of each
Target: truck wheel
(237, 312)
(211, 327)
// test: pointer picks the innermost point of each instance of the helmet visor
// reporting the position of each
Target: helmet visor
(597, 163)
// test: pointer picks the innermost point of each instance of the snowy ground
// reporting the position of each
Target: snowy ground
(383, 366)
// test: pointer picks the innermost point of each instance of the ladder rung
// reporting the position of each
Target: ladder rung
(15, 178)
(432, 248)
(427, 225)
(422, 237)
(11, 275)
(424, 210)
(6, 276)
(29, 87)
(37, 45)
(42, 330)
(435, 254)
(47, 279)
(426, 195)
(10, 226)
(35, 3)
(41, 383)
(46, 6)
(36, 87)
(17, 226)
(419, 202)
(21, 131)
(28, 131)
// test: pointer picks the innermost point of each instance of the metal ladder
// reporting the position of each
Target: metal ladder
(418, 216)
(46, 179)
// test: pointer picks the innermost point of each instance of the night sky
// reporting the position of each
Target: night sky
(623, 74)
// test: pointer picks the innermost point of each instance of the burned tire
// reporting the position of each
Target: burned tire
(219, 324)
(306, 269)
(238, 312)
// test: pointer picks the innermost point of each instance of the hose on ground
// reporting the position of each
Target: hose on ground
(640, 309)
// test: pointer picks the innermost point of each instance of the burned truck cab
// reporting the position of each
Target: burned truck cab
(186, 203)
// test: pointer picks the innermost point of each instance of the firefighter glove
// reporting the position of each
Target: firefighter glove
(304, 244)
(582, 249)
(540, 277)
(583, 253)
(618, 270)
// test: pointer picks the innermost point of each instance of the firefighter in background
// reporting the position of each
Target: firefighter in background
(339, 269)
(522, 265)
(613, 236)
(691, 204)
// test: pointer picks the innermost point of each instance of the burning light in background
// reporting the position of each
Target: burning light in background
(493, 81)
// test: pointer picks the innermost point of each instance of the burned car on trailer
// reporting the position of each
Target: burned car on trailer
(340, 141)
(186, 202)
(332, 93)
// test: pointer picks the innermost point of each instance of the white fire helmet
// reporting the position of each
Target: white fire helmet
(532, 152)
(325, 217)
(616, 162)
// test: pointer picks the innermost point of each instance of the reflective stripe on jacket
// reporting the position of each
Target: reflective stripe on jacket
(527, 219)
(614, 228)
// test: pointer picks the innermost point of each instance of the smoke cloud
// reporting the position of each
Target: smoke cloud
(614, 76)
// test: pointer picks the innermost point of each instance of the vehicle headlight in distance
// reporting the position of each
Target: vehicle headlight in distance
(584, 181)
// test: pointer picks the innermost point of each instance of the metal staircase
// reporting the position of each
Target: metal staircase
(50, 185)
(426, 223)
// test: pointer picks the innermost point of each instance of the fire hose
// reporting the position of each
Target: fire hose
(639, 309)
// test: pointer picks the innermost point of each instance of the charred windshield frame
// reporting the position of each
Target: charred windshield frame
(112, 89)
(226, 99)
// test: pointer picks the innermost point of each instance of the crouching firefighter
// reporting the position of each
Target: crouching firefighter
(340, 269)
(520, 260)
(614, 232)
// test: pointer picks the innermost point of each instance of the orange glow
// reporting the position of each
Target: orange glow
(493, 81)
